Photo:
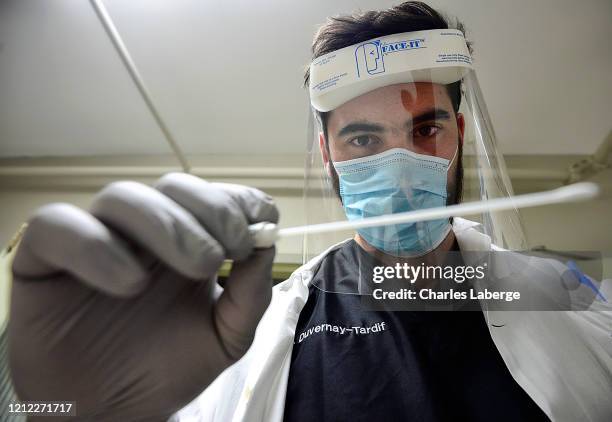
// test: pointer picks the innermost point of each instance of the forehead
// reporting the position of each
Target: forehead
(393, 100)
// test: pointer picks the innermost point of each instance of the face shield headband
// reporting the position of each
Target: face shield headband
(438, 56)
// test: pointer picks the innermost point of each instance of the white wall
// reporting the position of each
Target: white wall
(577, 227)
(219, 70)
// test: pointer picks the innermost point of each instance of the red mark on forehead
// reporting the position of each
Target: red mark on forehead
(407, 100)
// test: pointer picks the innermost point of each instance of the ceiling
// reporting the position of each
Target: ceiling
(227, 75)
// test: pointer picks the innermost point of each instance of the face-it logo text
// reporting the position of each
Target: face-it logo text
(401, 45)
(369, 56)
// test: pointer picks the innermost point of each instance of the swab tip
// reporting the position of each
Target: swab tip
(580, 191)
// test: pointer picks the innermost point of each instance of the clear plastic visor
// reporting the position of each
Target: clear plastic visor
(404, 147)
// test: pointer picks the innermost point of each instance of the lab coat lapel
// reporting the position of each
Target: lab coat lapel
(263, 397)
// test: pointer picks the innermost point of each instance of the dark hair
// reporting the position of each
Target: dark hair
(345, 30)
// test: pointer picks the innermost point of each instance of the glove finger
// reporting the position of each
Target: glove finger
(215, 209)
(62, 237)
(158, 224)
(246, 296)
(257, 205)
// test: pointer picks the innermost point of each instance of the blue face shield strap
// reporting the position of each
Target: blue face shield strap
(396, 180)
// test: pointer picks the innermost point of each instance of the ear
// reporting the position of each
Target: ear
(324, 154)
(461, 127)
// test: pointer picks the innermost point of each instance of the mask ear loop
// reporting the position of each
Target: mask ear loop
(450, 163)
(450, 220)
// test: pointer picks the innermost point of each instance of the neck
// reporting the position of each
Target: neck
(435, 257)
(432, 257)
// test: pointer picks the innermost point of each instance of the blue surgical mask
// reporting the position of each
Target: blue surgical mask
(394, 181)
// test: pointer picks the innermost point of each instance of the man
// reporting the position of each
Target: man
(125, 317)
(391, 142)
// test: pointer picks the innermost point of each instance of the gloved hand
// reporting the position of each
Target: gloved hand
(119, 310)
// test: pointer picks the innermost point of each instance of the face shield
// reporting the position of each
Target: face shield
(399, 124)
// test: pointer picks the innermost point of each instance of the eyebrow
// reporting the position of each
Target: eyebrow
(360, 127)
(432, 114)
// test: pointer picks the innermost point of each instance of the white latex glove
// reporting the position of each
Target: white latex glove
(118, 309)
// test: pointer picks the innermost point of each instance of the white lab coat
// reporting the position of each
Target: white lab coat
(562, 359)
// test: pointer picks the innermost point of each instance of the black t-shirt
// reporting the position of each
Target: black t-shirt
(349, 364)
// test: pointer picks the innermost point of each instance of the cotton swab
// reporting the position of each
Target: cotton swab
(266, 234)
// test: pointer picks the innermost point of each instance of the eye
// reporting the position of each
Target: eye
(426, 131)
(362, 141)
